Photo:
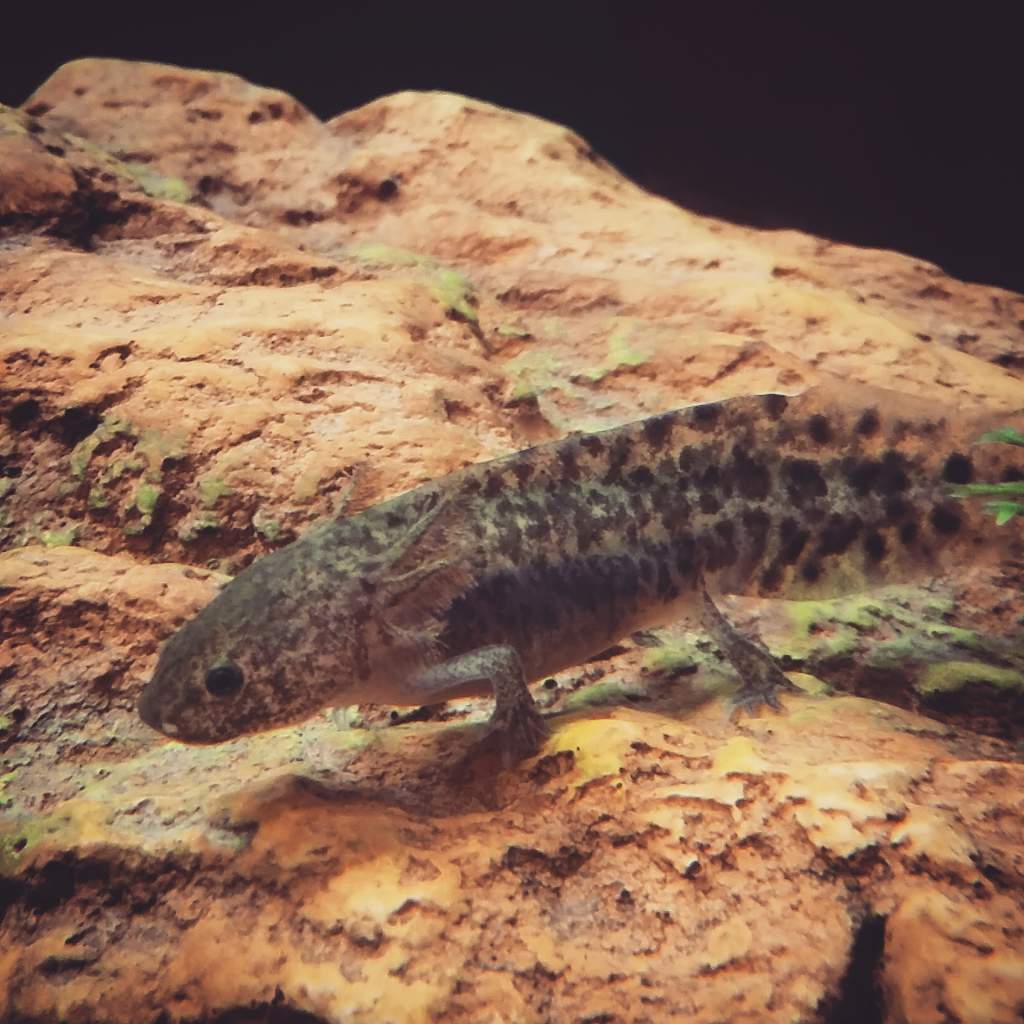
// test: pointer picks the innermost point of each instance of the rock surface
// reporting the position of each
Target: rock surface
(221, 319)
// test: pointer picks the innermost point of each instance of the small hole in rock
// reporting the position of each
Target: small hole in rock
(76, 425)
(23, 414)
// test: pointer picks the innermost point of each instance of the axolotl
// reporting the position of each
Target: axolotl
(511, 570)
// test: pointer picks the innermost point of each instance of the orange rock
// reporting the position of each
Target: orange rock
(221, 319)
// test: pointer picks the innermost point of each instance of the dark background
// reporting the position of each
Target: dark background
(897, 131)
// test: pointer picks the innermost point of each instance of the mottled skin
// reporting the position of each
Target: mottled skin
(510, 570)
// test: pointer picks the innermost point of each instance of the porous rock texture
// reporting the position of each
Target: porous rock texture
(221, 319)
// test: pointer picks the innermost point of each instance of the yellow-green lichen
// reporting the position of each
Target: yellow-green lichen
(212, 489)
(146, 498)
(450, 287)
(18, 838)
(268, 529)
(382, 255)
(82, 453)
(59, 538)
(6, 486)
(118, 467)
(201, 523)
(157, 185)
(608, 691)
(620, 354)
(307, 483)
(157, 448)
(950, 676)
(532, 372)
(828, 630)
(672, 659)
(98, 498)
(455, 292)
(512, 331)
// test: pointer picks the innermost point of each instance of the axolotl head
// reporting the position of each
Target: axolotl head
(272, 648)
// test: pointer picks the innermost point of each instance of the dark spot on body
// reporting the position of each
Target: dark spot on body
(811, 571)
(896, 509)
(774, 405)
(658, 429)
(819, 428)
(794, 538)
(537, 527)
(641, 477)
(709, 504)
(804, 481)
(756, 523)
(720, 546)
(667, 590)
(592, 444)
(838, 534)
(504, 508)
(675, 514)
(862, 475)
(752, 479)
(901, 429)
(685, 550)
(661, 495)
(945, 519)
(893, 477)
(908, 533)
(523, 471)
(617, 458)
(570, 468)
(511, 542)
(868, 424)
(666, 468)
(706, 416)
(588, 529)
(958, 469)
(725, 530)
(709, 479)
(771, 578)
(815, 512)
(494, 484)
(874, 546)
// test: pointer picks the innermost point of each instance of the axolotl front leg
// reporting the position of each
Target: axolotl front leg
(516, 728)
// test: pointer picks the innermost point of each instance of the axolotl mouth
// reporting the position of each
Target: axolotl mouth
(149, 712)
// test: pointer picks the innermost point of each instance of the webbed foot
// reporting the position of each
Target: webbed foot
(515, 731)
(754, 696)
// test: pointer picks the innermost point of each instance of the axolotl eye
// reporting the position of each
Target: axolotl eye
(224, 680)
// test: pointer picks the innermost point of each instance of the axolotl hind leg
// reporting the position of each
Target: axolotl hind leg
(761, 678)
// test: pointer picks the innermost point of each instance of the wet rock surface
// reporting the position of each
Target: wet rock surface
(221, 319)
